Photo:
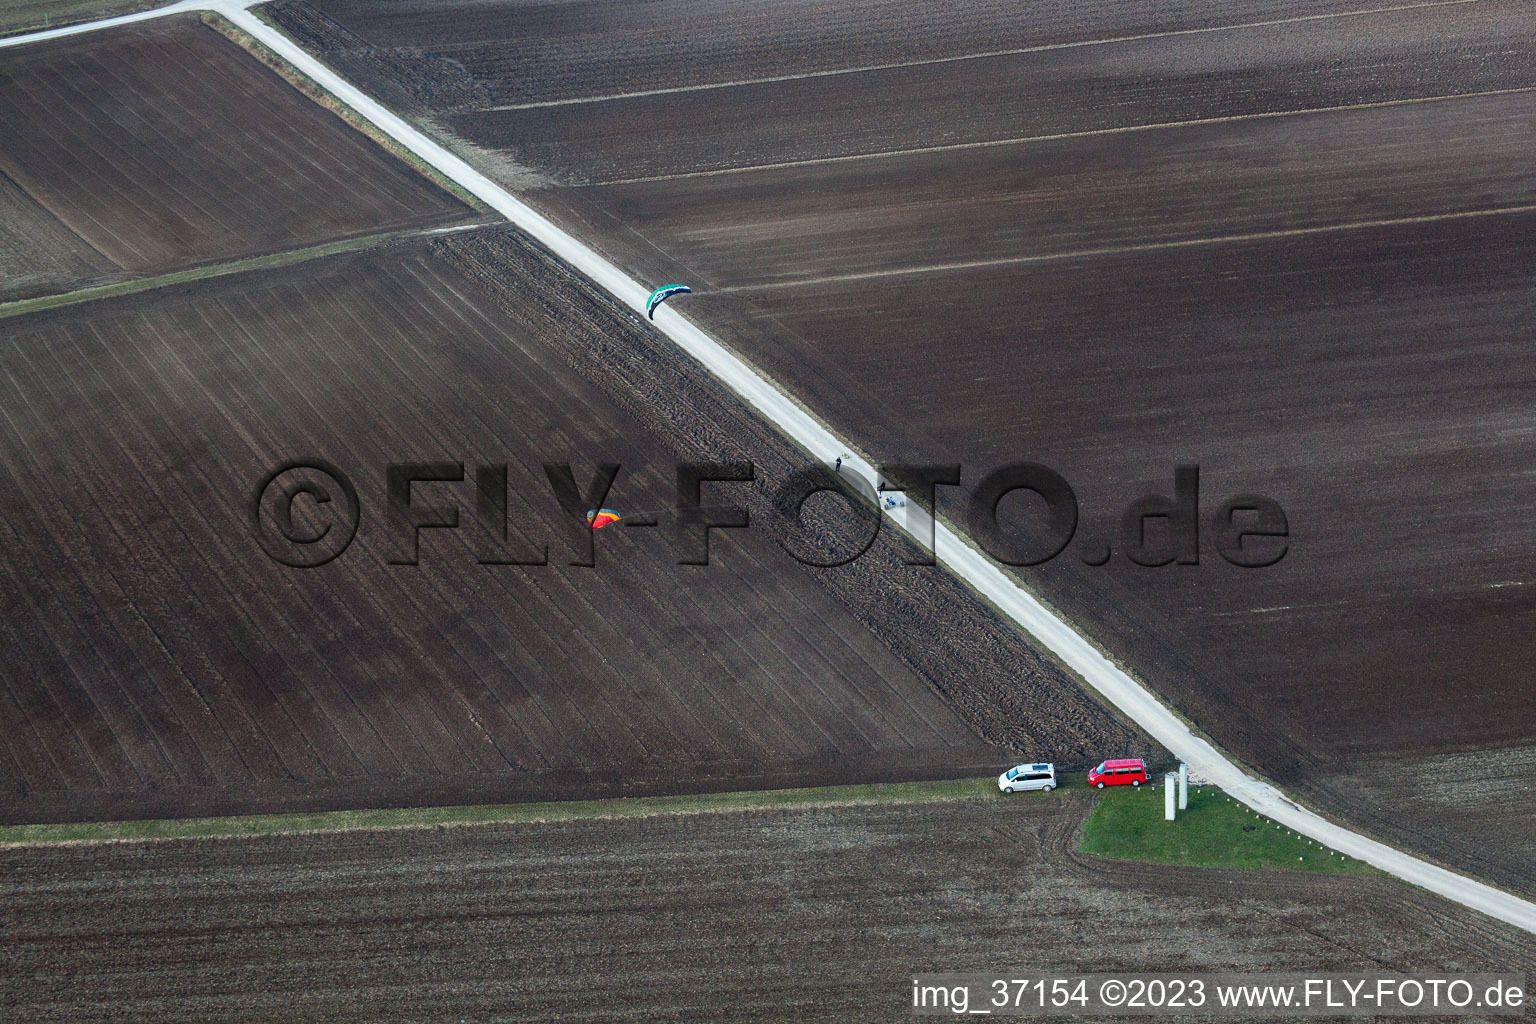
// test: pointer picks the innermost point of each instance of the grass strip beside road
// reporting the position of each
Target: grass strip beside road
(509, 814)
(1215, 831)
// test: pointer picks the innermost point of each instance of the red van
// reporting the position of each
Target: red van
(1128, 772)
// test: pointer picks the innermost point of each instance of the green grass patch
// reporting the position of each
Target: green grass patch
(1215, 831)
(531, 813)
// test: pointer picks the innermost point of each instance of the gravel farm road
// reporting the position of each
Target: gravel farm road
(1058, 636)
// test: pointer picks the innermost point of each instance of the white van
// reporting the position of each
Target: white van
(1028, 776)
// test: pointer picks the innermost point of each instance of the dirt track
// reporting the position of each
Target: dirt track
(818, 915)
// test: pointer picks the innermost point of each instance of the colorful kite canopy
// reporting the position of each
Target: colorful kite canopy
(598, 518)
(661, 295)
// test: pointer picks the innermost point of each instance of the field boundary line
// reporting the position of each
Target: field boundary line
(1053, 633)
(301, 823)
(207, 271)
(983, 55)
(1127, 250)
(1085, 133)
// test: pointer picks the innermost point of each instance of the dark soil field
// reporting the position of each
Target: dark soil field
(603, 95)
(521, 53)
(38, 254)
(1290, 244)
(1382, 58)
(162, 145)
(815, 915)
(1481, 807)
(158, 662)
(1392, 622)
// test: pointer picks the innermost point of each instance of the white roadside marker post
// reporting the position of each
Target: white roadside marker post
(1168, 787)
(1183, 786)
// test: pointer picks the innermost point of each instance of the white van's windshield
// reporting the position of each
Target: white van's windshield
(1013, 773)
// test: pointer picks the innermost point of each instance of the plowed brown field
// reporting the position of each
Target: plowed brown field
(156, 661)
(161, 145)
(812, 915)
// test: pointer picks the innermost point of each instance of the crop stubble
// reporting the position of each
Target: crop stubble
(822, 914)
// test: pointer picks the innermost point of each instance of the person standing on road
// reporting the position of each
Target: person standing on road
(837, 467)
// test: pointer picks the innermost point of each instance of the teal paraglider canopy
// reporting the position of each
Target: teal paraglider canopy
(661, 295)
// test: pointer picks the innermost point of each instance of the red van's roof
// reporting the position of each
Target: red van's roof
(1125, 762)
